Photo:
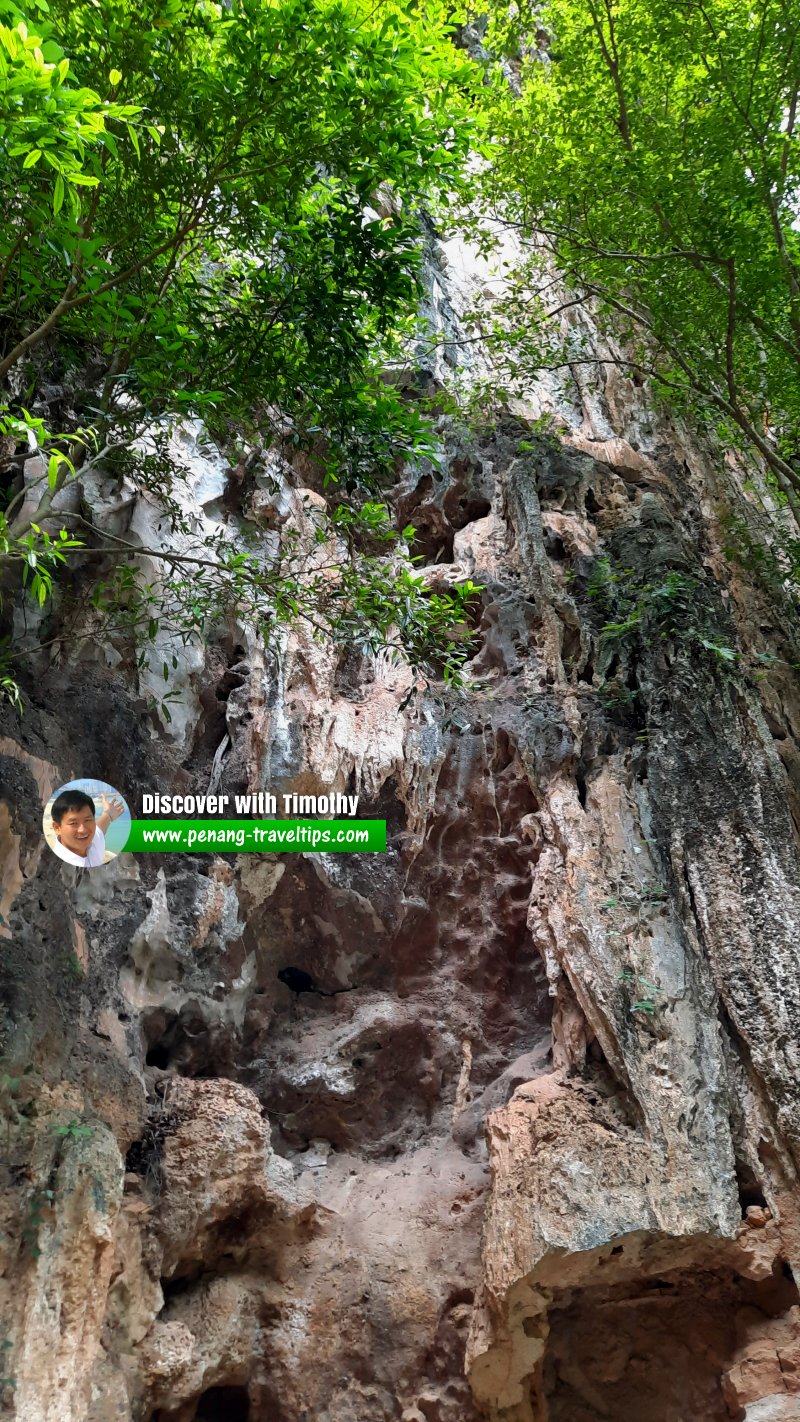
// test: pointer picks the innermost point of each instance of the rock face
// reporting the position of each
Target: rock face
(531, 1150)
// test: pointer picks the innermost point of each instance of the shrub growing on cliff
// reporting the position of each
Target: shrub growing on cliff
(213, 208)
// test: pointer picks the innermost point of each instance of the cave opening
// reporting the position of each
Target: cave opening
(224, 1404)
(661, 1348)
(158, 1056)
(749, 1186)
(297, 980)
(591, 504)
(185, 1043)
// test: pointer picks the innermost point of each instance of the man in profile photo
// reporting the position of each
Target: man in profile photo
(81, 838)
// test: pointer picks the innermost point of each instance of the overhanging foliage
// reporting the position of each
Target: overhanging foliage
(214, 208)
(649, 152)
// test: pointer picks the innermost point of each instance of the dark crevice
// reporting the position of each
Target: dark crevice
(504, 753)
(299, 981)
(750, 1191)
(387, 806)
(158, 1056)
(554, 546)
(465, 510)
(173, 1289)
(590, 504)
(186, 1043)
(433, 539)
(224, 1404)
(144, 1155)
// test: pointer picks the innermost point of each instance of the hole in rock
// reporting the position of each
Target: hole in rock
(227, 1403)
(174, 1288)
(465, 509)
(223, 1404)
(750, 1192)
(590, 504)
(580, 781)
(158, 1056)
(186, 1043)
(387, 805)
(504, 752)
(571, 646)
(143, 1156)
(554, 546)
(297, 980)
(235, 1232)
(433, 538)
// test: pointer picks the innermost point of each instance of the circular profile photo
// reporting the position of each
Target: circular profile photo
(86, 823)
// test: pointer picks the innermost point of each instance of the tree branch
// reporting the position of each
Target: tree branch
(730, 330)
(611, 59)
(24, 232)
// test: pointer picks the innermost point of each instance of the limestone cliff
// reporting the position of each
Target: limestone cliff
(539, 1161)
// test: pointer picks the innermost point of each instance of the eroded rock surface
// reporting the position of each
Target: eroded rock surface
(528, 1147)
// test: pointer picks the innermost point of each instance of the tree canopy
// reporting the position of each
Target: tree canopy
(213, 208)
(648, 151)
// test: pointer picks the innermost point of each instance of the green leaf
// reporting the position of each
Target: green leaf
(282, 299)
